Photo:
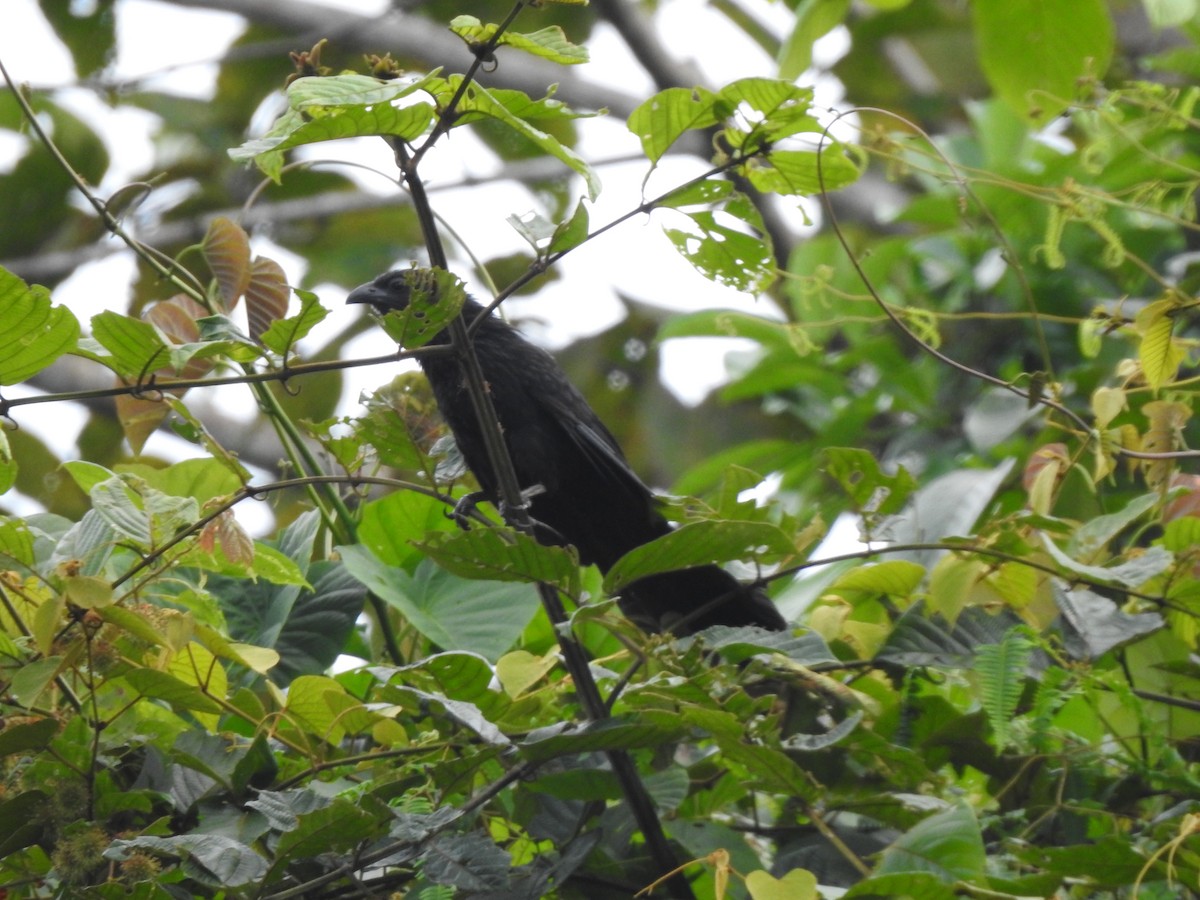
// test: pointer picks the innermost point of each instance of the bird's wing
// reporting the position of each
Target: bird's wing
(596, 445)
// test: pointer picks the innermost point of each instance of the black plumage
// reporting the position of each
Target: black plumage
(591, 498)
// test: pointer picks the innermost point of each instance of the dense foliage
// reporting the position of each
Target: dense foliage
(989, 362)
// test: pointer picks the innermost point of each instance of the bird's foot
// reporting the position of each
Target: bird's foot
(467, 508)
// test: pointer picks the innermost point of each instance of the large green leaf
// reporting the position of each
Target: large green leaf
(339, 106)
(515, 109)
(484, 617)
(698, 544)
(1035, 52)
(947, 845)
(498, 554)
(33, 332)
(308, 627)
(548, 43)
(668, 115)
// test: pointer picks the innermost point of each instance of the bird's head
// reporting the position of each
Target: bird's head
(423, 303)
(390, 291)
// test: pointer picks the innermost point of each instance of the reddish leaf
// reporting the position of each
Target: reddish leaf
(176, 318)
(225, 532)
(139, 417)
(266, 295)
(226, 249)
(1048, 455)
(1186, 504)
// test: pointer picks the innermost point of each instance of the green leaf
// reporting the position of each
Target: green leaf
(282, 334)
(306, 700)
(520, 670)
(650, 728)
(340, 106)
(668, 115)
(138, 348)
(393, 523)
(165, 686)
(1034, 52)
(548, 43)
(337, 827)
(23, 737)
(454, 613)
(454, 674)
(88, 591)
(471, 863)
(1109, 862)
(8, 468)
(498, 554)
(1002, 670)
(733, 323)
(769, 769)
(803, 171)
(435, 298)
(571, 233)
(22, 821)
(697, 544)
(814, 19)
(859, 475)
(16, 543)
(201, 479)
(777, 109)
(704, 193)
(947, 845)
(326, 95)
(917, 885)
(798, 884)
(1091, 536)
(725, 255)
(509, 107)
(896, 577)
(32, 678)
(33, 332)
(1158, 352)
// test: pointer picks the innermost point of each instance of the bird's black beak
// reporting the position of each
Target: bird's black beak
(371, 293)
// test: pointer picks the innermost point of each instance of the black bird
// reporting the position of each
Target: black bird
(590, 497)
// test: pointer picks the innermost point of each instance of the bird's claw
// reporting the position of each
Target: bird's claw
(467, 508)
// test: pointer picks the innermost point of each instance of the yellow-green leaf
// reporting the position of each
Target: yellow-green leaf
(1158, 353)
(798, 884)
(548, 43)
(520, 670)
(33, 332)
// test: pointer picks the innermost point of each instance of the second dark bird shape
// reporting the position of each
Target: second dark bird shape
(590, 497)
